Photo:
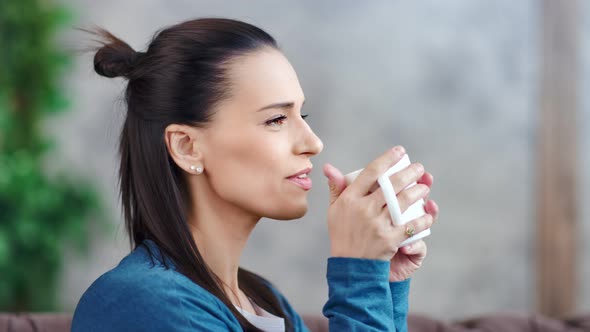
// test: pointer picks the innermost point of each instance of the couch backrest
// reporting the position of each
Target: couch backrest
(58, 322)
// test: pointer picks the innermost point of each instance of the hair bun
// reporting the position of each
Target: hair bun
(115, 58)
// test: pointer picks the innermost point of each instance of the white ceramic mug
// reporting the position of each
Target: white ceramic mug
(416, 210)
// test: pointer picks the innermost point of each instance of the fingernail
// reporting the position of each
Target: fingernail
(399, 149)
(328, 168)
(419, 167)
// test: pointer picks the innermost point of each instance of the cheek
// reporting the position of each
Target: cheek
(249, 171)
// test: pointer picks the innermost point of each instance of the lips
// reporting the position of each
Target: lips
(301, 179)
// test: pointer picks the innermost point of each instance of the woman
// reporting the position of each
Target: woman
(212, 142)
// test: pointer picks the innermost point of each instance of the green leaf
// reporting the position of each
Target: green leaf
(39, 215)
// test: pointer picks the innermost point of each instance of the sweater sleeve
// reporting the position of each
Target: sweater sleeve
(400, 291)
(359, 295)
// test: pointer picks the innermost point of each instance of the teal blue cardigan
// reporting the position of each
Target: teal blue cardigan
(138, 295)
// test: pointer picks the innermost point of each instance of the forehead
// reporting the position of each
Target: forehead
(263, 77)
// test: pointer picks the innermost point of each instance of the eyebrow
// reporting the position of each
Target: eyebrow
(283, 105)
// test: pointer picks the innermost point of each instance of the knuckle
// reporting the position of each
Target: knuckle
(385, 219)
(416, 224)
(409, 196)
(365, 213)
(372, 206)
(381, 234)
(406, 177)
(346, 199)
(403, 200)
(372, 171)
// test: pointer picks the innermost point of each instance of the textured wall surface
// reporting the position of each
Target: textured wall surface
(455, 82)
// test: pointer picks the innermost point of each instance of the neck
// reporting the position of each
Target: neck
(221, 232)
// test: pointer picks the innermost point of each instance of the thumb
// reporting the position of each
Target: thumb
(336, 181)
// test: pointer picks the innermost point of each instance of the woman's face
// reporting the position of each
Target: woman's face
(257, 140)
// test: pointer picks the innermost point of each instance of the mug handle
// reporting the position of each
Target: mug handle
(393, 203)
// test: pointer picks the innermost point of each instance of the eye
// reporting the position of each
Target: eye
(304, 116)
(278, 121)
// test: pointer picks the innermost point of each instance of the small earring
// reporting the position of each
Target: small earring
(198, 170)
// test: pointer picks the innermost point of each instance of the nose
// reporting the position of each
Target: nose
(307, 141)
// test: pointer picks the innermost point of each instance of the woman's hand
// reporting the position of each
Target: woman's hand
(358, 221)
(409, 258)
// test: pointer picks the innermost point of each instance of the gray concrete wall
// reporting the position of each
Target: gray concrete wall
(455, 82)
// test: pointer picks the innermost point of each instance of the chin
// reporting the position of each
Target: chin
(289, 213)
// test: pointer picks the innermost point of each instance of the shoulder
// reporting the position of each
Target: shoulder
(144, 295)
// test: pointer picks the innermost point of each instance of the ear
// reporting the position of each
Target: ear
(182, 143)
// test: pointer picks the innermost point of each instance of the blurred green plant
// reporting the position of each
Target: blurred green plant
(39, 214)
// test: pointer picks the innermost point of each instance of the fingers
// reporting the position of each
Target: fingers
(417, 248)
(336, 181)
(432, 208)
(407, 176)
(411, 195)
(405, 199)
(400, 181)
(418, 225)
(427, 179)
(399, 232)
(368, 177)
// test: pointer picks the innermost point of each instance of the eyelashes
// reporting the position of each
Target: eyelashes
(280, 120)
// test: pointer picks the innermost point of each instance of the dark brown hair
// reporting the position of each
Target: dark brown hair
(178, 80)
